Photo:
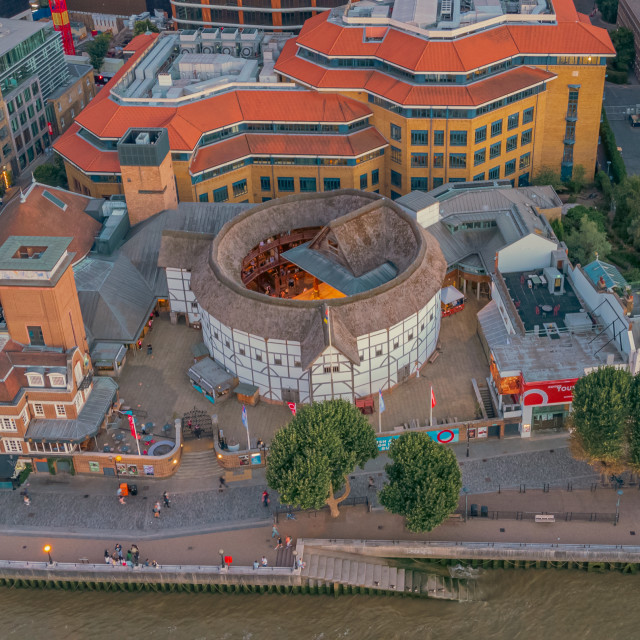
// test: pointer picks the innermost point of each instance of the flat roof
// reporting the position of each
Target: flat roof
(13, 32)
(54, 249)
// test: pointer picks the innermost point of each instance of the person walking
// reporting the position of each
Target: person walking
(129, 556)
(27, 500)
(121, 500)
(279, 545)
(265, 498)
(222, 484)
(274, 532)
(287, 542)
(118, 549)
(255, 564)
(156, 510)
(149, 350)
(107, 557)
(165, 497)
(264, 562)
(372, 483)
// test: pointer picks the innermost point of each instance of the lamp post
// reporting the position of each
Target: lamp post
(47, 550)
(221, 552)
(295, 558)
(466, 497)
(118, 459)
(467, 441)
(619, 492)
(608, 168)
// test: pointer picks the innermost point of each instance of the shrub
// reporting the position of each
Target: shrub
(618, 170)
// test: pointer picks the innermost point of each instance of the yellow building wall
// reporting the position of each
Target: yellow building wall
(81, 183)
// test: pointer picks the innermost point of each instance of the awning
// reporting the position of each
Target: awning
(449, 295)
(108, 353)
(86, 425)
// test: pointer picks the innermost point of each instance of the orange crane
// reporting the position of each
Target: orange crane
(61, 23)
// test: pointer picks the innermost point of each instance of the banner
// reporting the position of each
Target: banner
(292, 407)
(443, 436)
(550, 392)
(381, 406)
(132, 426)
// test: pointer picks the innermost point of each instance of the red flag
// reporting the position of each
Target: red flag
(292, 406)
(132, 426)
(433, 398)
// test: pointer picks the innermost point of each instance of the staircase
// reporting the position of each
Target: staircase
(323, 569)
(199, 464)
(485, 394)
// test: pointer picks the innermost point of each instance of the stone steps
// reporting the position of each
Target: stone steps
(201, 464)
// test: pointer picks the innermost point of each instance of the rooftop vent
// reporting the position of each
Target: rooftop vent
(53, 199)
(143, 138)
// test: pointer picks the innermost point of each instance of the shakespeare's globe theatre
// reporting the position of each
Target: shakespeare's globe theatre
(321, 296)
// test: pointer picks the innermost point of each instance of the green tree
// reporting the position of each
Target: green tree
(573, 217)
(311, 458)
(558, 228)
(634, 425)
(625, 50)
(424, 481)
(600, 414)
(547, 176)
(578, 179)
(142, 26)
(608, 9)
(585, 241)
(52, 173)
(627, 199)
(97, 49)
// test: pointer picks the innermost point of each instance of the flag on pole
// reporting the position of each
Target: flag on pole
(245, 422)
(292, 406)
(326, 315)
(381, 406)
(417, 369)
(433, 398)
(132, 426)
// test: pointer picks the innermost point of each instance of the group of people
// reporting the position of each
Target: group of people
(157, 508)
(131, 559)
(197, 431)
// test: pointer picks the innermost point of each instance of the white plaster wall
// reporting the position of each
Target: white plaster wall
(526, 254)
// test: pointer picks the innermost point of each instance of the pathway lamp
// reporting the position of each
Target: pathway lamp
(295, 559)
(221, 552)
(466, 498)
(619, 492)
(118, 459)
(47, 550)
(468, 441)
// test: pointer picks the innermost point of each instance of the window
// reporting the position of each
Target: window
(12, 445)
(479, 177)
(34, 88)
(420, 138)
(203, 197)
(523, 180)
(396, 132)
(396, 179)
(396, 344)
(496, 128)
(8, 424)
(419, 184)
(495, 150)
(510, 167)
(221, 194)
(11, 108)
(19, 101)
(265, 183)
(57, 380)
(297, 363)
(35, 379)
(438, 160)
(457, 161)
(512, 143)
(394, 195)
(438, 138)
(38, 409)
(285, 184)
(458, 138)
(438, 182)
(308, 184)
(378, 351)
(38, 105)
(527, 115)
(419, 160)
(330, 184)
(481, 134)
(24, 416)
(31, 111)
(61, 411)
(241, 351)
(364, 181)
(375, 176)
(259, 356)
(525, 161)
(410, 335)
(494, 173)
(513, 121)
(239, 188)
(328, 368)
(479, 157)
(525, 138)
(396, 155)
(277, 360)
(227, 343)
(215, 335)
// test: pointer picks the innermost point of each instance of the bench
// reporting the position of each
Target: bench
(434, 357)
(545, 517)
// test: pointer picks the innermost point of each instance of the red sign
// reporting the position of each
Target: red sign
(292, 406)
(228, 559)
(549, 392)
(132, 426)
(50, 127)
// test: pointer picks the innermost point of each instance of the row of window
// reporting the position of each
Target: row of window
(420, 138)
(22, 98)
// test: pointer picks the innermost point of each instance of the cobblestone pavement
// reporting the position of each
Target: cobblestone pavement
(81, 506)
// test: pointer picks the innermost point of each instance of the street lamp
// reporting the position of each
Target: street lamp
(118, 459)
(295, 557)
(619, 492)
(466, 497)
(468, 441)
(47, 550)
(221, 552)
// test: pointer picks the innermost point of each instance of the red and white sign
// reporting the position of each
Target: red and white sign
(292, 406)
(550, 392)
(132, 426)
(50, 128)
(483, 432)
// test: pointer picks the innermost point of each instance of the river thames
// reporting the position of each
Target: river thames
(548, 604)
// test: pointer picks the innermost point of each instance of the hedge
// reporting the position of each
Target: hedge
(604, 183)
(618, 171)
(617, 77)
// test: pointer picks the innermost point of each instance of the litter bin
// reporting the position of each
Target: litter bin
(124, 489)
(474, 511)
(133, 489)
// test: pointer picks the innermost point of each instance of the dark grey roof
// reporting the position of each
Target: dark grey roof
(207, 373)
(416, 200)
(114, 298)
(54, 250)
(336, 275)
(86, 425)
(107, 352)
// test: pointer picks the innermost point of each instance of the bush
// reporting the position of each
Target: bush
(617, 77)
(618, 170)
(604, 184)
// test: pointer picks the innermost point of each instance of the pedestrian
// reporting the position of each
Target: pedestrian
(26, 500)
(189, 423)
(274, 532)
(107, 557)
(372, 483)
(149, 349)
(129, 556)
(119, 492)
(287, 541)
(118, 548)
(264, 561)
(154, 563)
(114, 558)
(222, 484)
(156, 313)
(196, 431)
(121, 500)
(300, 564)
(255, 564)
(279, 545)
(265, 498)
(165, 497)
(156, 510)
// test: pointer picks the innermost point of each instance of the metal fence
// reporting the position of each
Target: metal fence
(566, 516)
(347, 502)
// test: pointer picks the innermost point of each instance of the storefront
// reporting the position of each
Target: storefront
(545, 405)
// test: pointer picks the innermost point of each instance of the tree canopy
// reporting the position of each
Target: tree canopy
(600, 415)
(622, 39)
(627, 198)
(310, 459)
(142, 26)
(548, 176)
(585, 241)
(608, 9)
(52, 173)
(424, 481)
(97, 49)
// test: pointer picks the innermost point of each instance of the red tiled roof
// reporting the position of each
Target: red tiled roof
(249, 144)
(141, 42)
(571, 36)
(83, 154)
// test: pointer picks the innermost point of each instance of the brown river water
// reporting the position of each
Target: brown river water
(544, 604)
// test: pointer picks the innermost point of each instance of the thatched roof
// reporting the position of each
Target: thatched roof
(363, 224)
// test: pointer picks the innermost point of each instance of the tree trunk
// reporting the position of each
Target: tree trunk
(333, 502)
